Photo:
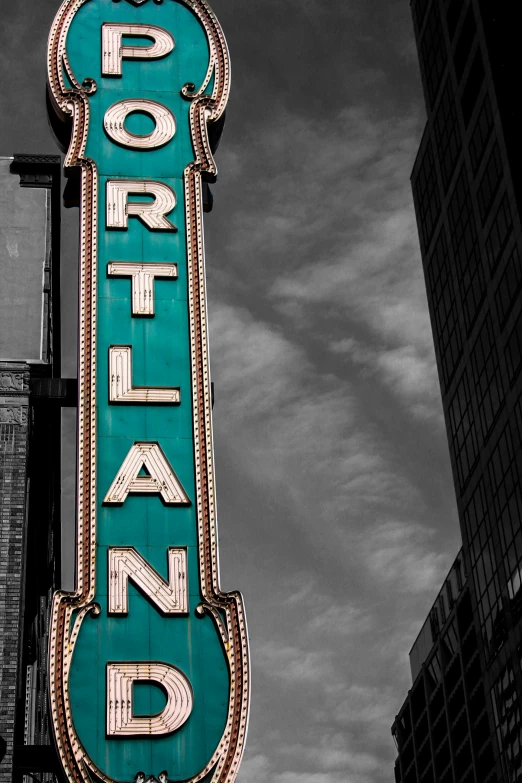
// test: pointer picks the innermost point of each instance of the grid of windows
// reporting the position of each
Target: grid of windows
(508, 287)
(427, 196)
(445, 308)
(503, 480)
(459, 209)
(472, 288)
(501, 472)
(508, 506)
(447, 134)
(508, 723)
(514, 350)
(468, 263)
(475, 516)
(464, 43)
(462, 428)
(489, 600)
(481, 133)
(432, 53)
(499, 233)
(470, 275)
(487, 379)
(474, 284)
(476, 403)
(472, 88)
(490, 182)
(443, 729)
(487, 587)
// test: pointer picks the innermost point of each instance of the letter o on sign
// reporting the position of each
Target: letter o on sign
(116, 115)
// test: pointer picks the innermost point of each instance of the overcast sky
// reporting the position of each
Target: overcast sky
(336, 507)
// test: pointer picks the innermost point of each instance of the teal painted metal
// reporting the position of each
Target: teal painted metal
(200, 645)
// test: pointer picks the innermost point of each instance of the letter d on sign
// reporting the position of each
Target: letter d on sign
(121, 721)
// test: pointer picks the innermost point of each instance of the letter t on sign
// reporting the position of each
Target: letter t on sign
(143, 276)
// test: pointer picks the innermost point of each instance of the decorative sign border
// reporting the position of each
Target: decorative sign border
(70, 608)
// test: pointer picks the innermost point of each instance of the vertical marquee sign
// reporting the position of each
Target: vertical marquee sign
(148, 658)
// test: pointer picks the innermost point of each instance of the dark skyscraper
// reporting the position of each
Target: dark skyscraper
(443, 731)
(467, 186)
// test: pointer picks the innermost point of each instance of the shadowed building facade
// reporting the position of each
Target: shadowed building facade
(443, 730)
(31, 394)
(467, 186)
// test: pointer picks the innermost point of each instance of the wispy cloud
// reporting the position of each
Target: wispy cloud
(410, 374)
(400, 554)
(294, 666)
(324, 369)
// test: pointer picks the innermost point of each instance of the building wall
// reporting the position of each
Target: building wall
(467, 182)
(24, 265)
(443, 731)
(14, 444)
(31, 393)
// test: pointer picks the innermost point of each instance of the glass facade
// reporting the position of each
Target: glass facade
(467, 188)
(442, 732)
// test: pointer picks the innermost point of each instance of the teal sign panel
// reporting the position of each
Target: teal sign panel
(148, 657)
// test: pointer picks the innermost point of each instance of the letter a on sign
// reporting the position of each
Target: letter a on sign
(160, 479)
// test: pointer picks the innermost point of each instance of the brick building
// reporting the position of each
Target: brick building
(31, 394)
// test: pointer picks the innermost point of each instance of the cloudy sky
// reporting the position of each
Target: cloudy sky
(337, 515)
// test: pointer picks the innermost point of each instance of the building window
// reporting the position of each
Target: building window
(508, 286)
(434, 623)
(468, 263)
(444, 308)
(442, 609)
(459, 209)
(462, 429)
(449, 591)
(432, 53)
(514, 350)
(458, 571)
(450, 640)
(476, 522)
(481, 134)
(499, 233)
(426, 194)
(464, 43)
(484, 568)
(434, 670)
(487, 379)
(472, 88)
(490, 182)
(472, 282)
(508, 722)
(453, 16)
(447, 135)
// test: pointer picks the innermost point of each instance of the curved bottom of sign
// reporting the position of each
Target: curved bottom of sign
(67, 619)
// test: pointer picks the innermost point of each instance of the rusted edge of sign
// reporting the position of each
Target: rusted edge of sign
(70, 608)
